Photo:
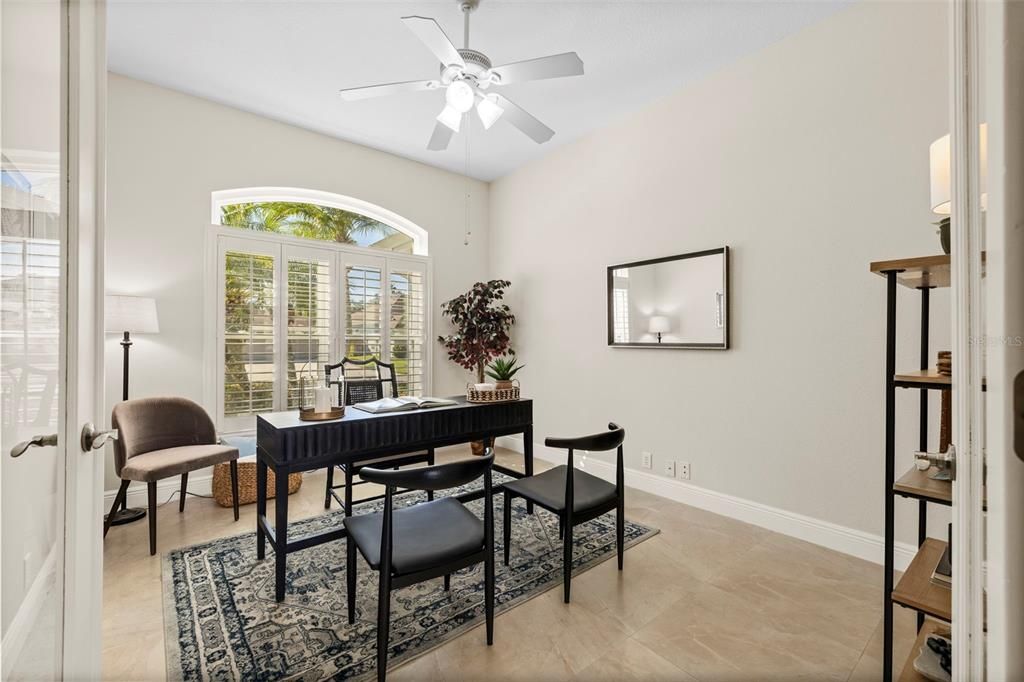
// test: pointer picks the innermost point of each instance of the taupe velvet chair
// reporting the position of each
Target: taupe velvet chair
(160, 438)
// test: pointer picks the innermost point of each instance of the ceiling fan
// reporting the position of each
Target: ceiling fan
(466, 76)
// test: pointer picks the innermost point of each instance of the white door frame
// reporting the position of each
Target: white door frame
(83, 336)
(1004, 301)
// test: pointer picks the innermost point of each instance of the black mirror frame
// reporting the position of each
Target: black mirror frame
(692, 346)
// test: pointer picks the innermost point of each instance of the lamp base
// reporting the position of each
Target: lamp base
(123, 516)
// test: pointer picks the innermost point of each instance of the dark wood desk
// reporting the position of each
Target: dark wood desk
(288, 445)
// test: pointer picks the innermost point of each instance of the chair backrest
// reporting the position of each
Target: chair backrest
(435, 477)
(148, 424)
(598, 442)
(364, 379)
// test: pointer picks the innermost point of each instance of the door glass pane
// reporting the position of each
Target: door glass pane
(363, 309)
(309, 322)
(407, 324)
(31, 230)
(248, 333)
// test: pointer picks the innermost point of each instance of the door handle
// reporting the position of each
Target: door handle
(34, 442)
(93, 439)
(1018, 415)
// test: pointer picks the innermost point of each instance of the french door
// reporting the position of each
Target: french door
(50, 345)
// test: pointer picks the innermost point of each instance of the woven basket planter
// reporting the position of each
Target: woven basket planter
(246, 483)
(501, 395)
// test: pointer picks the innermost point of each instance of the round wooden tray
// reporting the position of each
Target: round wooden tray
(307, 414)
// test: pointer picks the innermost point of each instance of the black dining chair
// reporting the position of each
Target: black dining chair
(574, 499)
(364, 381)
(427, 540)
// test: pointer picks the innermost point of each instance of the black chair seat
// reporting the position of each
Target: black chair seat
(548, 489)
(425, 536)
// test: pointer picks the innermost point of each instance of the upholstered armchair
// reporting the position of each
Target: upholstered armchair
(161, 438)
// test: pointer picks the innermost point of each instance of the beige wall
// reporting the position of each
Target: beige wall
(167, 151)
(809, 159)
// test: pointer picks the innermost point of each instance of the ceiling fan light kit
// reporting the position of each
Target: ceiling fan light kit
(466, 74)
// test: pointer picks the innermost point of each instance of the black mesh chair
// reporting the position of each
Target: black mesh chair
(575, 499)
(424, 541)
(364, 382)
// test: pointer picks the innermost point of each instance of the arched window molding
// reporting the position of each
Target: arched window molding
(227, 197)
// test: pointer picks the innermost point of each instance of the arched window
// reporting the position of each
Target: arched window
(316, 215)
(305, 278)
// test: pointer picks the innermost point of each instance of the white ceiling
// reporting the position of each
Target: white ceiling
(287, 59)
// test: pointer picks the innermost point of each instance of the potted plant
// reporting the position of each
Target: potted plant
(503, 370)
(481, 324)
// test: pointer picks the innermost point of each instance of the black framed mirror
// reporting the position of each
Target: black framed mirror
(673, 302)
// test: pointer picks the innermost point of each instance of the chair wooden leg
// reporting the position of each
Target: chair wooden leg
(350, 577)
(383, 624)
(430, 462)
(330, 484)
(234, 486)
(447, 582)
(567, 562)
(620, 531)
(184, 491)
(152, 517)
(348, 491)
(507, 526)
(561, 527)
(122, 494)
(489, 591)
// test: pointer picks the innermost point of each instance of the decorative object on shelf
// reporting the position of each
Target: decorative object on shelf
(944, 366)
(502, 370)
(943, 573)
(944, 363)
(127, 315)
(935, 659)
(940, 169)
(466, 75)
(660, 324)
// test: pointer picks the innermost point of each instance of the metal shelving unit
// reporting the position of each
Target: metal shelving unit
(915, 589)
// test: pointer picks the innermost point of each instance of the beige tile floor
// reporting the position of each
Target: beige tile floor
(709, 598)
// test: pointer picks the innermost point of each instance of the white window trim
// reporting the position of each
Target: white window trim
(226, 197)
(213, 361)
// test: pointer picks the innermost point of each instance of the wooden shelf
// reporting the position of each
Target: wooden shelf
(923, 378)
(929, 628)
(920, 485)
(916, 273)
(916, 590)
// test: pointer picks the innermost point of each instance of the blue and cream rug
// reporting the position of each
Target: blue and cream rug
(222, 622)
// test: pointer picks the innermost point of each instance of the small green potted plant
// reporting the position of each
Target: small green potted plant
(503, 370)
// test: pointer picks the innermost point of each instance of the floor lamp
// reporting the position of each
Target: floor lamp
(127, 315)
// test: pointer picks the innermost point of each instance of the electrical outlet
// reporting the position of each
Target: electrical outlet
(684, 471)
(645, 460)
(670, 469)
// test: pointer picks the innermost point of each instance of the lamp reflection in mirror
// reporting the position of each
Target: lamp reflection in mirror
(658, 324)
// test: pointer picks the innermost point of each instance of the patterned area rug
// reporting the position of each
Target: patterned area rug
(222, 622)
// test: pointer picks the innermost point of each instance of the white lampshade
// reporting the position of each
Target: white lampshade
(450, 117)
(135, 314)
(489, 111)
(658, 325)
(939, 157)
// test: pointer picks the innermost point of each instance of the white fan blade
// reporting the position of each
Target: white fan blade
(427, 30)
(441, 137)
(554, 66)
(352, 94)
(518, 117)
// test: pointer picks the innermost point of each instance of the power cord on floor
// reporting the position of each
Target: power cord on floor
(175, 493)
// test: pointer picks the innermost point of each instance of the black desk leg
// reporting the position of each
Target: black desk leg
(261, 507)
(528, 459)
(280, 531)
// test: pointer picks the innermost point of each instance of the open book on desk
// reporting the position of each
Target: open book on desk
(402, 404)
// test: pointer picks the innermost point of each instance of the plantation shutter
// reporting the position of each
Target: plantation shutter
(308, 324)
(407, 325)
(364, 308)
(248, 326)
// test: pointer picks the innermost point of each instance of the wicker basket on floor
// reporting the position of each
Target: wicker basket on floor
(246, 483)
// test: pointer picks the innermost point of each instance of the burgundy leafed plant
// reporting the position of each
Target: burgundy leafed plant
(481, 326)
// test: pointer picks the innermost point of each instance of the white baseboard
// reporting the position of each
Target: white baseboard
(850, 541)
(138, 494)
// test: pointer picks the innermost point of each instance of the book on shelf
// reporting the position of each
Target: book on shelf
(943, 573)
(403, 404)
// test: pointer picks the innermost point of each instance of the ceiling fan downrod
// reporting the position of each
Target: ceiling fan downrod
(467, 6)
